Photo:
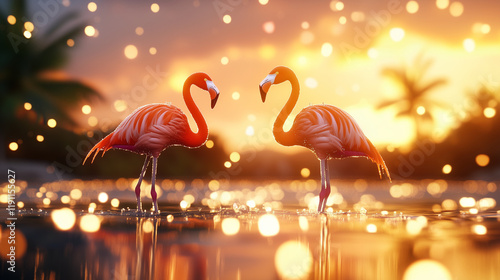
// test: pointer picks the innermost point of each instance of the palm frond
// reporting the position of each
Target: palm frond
(53, 55)
(67, 92)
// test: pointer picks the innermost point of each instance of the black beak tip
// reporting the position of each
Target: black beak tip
(214, 101)
(263, 94)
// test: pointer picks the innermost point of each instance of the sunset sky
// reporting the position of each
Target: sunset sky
(337, 49)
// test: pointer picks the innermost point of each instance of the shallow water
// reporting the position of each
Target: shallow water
(368, 234)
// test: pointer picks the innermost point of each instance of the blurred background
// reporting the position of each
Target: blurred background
(420, 77)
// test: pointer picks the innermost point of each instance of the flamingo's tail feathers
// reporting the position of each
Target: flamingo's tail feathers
(104, 145)
(375, 156)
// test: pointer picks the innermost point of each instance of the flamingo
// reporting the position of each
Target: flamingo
(328, 131)
(152, 128)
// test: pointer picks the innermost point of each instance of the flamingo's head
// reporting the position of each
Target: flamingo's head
(278, 75)
(205, 82)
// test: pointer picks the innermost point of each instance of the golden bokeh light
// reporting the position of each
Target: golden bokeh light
(371, 228)
(293, 260)
(155, 8)
(152, 51)
(115, 202)
(234, 157)
(489, 112)
(29, 26)
(92, 7)
(447, 169)
(228, 164)
(64, 218)
(482, 160)
(479, 229)
(412, 7)
(305, 172)
(70, 43)
(65, 199)
(90, 31)
(442, 4)
(76, 194)
(209, 144)
(92, 121)
(130, 51)
(469, 45)
(263, 2)
(90, 223)
(268, 225)
(86, 109)
(226, 19)
(249, 130)
(11, 19)
(268, 27)
(235, 95)
(13, 146)
(467, 202)
(421, 110)
(230, 226)
(224, 60)
(27, 34)
(27, 106)
(397, 34)
(102, 197)
(326, 49)
(139, 30)
(456, 9)
(51, 123)
(427, 269)
(120, 105)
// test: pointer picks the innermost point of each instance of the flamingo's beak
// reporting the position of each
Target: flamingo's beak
(265, 85)
(214, 92)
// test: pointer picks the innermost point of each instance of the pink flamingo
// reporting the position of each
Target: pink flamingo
(328, 131)
(152, 128)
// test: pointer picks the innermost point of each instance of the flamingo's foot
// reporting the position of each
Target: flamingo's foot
(139, 207)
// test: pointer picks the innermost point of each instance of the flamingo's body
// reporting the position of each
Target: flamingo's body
(328, 131)
(152, 128)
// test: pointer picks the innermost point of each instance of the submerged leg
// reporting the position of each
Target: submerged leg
(153, 185)
(138, 187)
(325, 185)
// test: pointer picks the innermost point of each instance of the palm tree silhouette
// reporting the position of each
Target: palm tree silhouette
(26, 61)
(414, 103)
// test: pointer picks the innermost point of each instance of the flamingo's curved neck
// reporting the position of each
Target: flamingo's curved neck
(193, 139)
(282, 137)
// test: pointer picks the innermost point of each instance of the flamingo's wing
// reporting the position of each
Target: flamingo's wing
(149, 129)
(331, 132)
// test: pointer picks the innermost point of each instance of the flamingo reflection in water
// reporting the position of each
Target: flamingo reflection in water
(328, 131)
(152, 128)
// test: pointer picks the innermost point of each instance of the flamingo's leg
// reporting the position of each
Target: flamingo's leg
(325, 185)
(153, 186)
(138, 186)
